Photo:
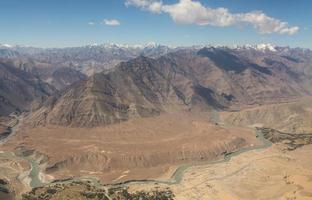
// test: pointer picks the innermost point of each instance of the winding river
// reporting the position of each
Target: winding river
(34, 171)
(176, 177)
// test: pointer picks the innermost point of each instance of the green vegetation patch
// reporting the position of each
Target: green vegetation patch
(291, 140)
(4, 186)
(85, 191)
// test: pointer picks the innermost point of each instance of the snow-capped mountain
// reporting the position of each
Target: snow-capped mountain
(257, 47)
(6, 46)
(97, 57)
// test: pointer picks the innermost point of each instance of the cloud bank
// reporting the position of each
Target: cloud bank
(193, 12)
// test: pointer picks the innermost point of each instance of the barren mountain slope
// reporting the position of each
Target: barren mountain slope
(251, 82)
(216, 78)
(55, 75)
(19, 89)
(295, 117)
(60, 77)
(142, 87)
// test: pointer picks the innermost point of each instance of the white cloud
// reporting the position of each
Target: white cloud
(150, 5)
(91, 23)
(193, 12)
(111, 22)
(266, 24)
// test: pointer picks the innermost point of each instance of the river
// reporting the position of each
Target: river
(176, 177)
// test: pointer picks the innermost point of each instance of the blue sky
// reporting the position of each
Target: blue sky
(60, 23)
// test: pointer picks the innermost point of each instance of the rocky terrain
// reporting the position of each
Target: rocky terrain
(61, 77)
(6, 190)
(57, 76)
(291, 140)
(61, 67)
(6, 124)
(211, 78)
(293, 117)
(138, 88)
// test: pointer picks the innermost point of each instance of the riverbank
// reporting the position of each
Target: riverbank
(32, 177)
(177, 175)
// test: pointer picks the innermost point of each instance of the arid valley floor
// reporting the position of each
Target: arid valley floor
(195, 146)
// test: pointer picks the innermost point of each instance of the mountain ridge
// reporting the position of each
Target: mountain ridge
(20, 90)
(182, 80)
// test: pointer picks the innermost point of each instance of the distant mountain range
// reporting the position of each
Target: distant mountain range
(96, 58)
(87, 59)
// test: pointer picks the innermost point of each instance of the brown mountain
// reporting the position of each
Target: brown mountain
(60, 77)
(218, 78)
(19, 89)
(142, 87)
(252, 81)
(56, 76)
